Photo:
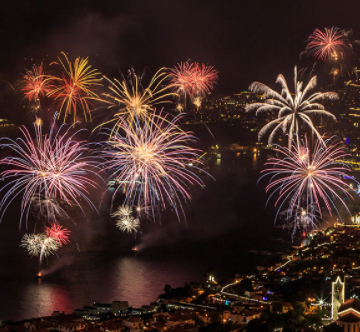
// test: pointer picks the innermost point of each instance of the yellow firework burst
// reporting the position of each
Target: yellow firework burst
(133, 101)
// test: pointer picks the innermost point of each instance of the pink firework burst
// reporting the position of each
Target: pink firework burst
(58, 233)
(53, 167)
(153, 162)
(309, 177)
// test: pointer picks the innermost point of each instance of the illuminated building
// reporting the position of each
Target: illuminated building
(338, 292)
(355, 219)
(6, 124)
(349, 316)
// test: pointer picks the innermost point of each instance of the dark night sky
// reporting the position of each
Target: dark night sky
(244, 40)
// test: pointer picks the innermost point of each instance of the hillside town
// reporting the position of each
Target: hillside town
(312, 287)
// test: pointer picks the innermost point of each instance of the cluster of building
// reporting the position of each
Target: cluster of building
(107, 318)
(349, 96)
(218, 108)
(231, 109)
(329, 258)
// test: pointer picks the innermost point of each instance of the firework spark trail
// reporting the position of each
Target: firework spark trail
(153, 162)
(58, 233)
(292, 109)
(303, 218)
(328, 44)
(49, 247)
(311, 178)
(48, 208)
(53, 166)
(74, 88)
(35, 84)
(135, 102)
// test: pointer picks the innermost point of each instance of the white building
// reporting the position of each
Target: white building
(349, 316)
(355, 219)
(338, 296)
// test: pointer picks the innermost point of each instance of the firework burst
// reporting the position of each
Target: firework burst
(125, 220)
(152, 162)
(333, 50)
(48, 208)
(192, 80)
(123, 211)
(74, 88)
(308, 178)
(304, 219)
(182, 81)
(292, 109)
(35, 84)
(133, 101)
(58, 233)
(128, 224)
(51, 167)
(204, 79)
(39, 245)
(32, 243)
(328, 44)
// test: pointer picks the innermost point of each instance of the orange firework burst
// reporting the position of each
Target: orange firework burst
(74, 88)
(35, 83)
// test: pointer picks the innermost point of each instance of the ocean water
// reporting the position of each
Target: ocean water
(227, 229)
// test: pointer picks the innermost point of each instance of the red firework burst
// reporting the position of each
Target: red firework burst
(182, 77)
(327, 44)
(192, 79)
(35, 83)
(204, 78)
(58, 233)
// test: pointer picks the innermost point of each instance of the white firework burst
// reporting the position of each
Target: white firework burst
(293, 109)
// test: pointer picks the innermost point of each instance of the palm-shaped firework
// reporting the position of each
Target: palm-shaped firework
(293, 110)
